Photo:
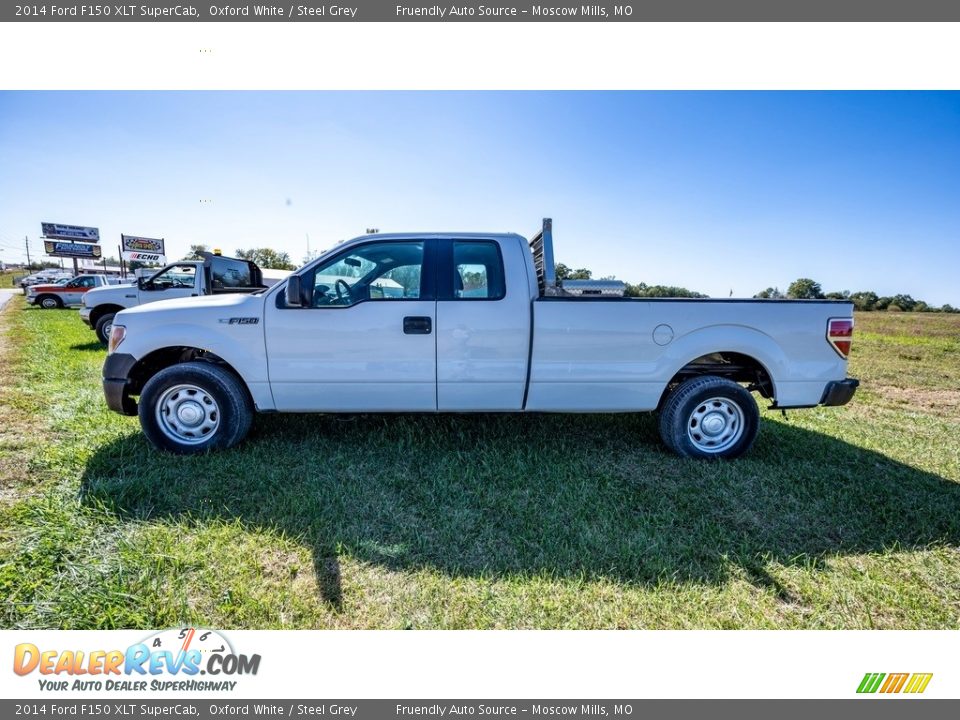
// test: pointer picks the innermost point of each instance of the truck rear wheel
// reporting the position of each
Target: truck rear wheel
(104, 326)
(50, 302)
(193, 407)
(709, 417)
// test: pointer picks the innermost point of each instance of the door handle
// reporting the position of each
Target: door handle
(417, 325)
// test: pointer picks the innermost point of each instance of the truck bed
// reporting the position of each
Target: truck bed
(614, 354)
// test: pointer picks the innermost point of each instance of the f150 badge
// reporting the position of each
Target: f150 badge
(240, 321)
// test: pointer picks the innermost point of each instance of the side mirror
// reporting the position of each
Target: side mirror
(141, 285)
(298, 294)
(293, 291)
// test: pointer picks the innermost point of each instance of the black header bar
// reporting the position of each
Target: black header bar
(493, 11)
(212, 708)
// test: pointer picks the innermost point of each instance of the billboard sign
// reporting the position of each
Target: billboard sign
(141, 249)
(57, 248)
(77, 233)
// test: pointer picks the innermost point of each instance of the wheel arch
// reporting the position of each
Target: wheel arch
(100, 310)
(162, 358)
(43, 296)
(735, 352)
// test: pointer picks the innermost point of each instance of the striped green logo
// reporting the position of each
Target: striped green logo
(911, 683)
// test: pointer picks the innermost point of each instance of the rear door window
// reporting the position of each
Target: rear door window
(478, 270)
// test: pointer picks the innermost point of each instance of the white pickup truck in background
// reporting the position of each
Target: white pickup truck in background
(214, 274)
(470, 322)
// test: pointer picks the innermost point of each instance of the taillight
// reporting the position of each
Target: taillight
(839, 335)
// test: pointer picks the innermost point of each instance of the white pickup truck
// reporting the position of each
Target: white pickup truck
(470, 322)
(214, 274)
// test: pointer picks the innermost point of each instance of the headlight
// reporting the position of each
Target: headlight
(117, 334)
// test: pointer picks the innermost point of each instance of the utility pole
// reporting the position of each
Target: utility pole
(26, 241)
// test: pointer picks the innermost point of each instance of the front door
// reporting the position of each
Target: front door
(365, 342)
(74, 290)
(174, 281)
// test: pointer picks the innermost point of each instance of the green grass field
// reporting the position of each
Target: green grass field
(839, 518)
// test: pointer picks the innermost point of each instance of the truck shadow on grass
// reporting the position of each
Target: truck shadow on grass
(94, 346)
(567, 496)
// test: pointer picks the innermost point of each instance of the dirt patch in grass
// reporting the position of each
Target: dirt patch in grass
(282, 564)
(18, 429)
(938, 401)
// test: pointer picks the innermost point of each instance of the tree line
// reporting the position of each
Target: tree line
(866, 300)
(799, 289)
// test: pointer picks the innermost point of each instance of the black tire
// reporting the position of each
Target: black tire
(103, 327)
(709, 417)
(49, 302)
(212, 386)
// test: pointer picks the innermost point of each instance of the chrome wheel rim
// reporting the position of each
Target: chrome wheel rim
(48, 303)
(107, 327)
(187, 414)
(715, 425)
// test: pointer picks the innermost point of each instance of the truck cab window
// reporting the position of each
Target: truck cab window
(377, 271)
(177, 276)
(478, 271)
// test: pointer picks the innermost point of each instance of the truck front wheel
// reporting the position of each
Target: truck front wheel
(193, 407)
(709, 417)
(104, 326)
(50, 302)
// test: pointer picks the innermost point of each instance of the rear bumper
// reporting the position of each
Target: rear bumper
(839, 392)
(116, 379)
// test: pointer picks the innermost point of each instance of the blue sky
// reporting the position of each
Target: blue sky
(713, 191)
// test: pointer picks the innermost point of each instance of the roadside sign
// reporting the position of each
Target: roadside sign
(77, 233)
(142, 249)
(57, 248)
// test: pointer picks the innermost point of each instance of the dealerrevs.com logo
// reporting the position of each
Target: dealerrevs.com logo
(172, 660)
(892, 683)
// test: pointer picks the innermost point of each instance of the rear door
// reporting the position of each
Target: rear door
(366, 342)
(483, 325)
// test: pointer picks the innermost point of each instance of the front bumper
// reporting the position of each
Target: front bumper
(839, 392)
(85, 315)
(116, 379)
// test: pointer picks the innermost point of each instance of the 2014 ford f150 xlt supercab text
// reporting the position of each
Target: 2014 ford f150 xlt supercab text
(469, 322)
